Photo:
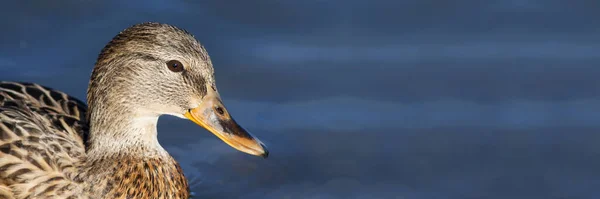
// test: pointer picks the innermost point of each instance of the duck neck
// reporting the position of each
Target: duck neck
(123, 132)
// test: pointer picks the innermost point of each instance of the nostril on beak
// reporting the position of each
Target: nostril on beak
(219, 110)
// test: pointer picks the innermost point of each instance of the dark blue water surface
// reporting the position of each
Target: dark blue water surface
(360, 99)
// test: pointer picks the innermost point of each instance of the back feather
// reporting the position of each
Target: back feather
(43, 135)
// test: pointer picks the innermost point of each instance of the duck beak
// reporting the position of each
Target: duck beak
(212, 115)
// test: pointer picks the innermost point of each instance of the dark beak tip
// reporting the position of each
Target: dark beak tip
(265, 155)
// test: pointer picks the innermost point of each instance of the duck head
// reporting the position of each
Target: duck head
(157, 69)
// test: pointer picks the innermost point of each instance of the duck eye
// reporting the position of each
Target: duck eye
(175, 66)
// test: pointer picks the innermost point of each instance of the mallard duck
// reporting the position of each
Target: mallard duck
(54, 146)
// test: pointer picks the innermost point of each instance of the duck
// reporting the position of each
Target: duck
(53, 145)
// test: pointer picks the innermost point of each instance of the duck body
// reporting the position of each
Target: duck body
(43, 139)
(53, 145)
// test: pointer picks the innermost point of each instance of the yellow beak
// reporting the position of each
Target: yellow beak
(212, 115)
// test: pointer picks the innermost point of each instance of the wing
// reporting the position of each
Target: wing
(42, 141)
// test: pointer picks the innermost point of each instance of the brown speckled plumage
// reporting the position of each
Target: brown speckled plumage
(140, 178)
(54, 146)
